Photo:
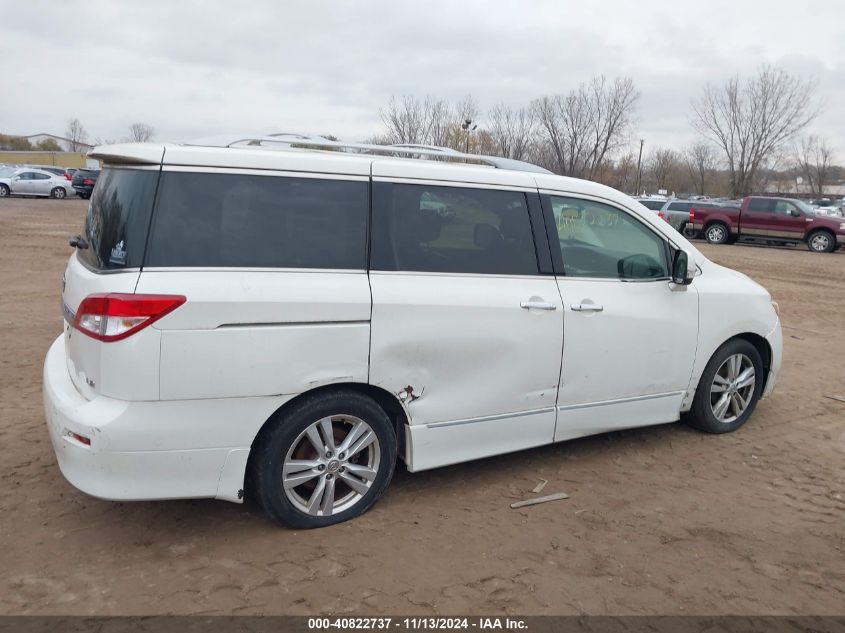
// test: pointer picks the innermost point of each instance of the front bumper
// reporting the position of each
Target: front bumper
(775, 339)
(131, 455)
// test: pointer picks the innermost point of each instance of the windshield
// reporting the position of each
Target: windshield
(806, 208)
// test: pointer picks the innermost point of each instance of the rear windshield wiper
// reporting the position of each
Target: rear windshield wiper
(79, 242)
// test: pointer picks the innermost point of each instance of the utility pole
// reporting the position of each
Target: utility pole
(639, 166)
(469, 127)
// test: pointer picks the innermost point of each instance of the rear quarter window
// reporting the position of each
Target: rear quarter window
(118, 219)
(256, 221)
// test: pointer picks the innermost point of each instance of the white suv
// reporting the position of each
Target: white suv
(288, 321)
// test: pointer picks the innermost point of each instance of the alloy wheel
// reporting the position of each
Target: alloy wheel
(331, 465)
(820, 242)
(732, 390)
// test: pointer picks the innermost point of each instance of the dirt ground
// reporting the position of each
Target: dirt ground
(660, 521)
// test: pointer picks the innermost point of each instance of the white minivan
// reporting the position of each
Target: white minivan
(251, 316)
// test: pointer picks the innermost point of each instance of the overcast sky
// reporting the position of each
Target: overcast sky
(194, 69)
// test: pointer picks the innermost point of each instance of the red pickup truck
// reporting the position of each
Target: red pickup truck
(768, 220)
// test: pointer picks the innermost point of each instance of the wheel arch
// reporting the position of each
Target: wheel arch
(389, 403)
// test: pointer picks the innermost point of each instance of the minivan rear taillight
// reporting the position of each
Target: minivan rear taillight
(88, 182)
(113, 317)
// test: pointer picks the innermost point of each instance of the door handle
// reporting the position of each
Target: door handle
(586, 307)
(537, 305)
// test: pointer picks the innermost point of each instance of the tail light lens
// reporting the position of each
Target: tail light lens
(692, 214)
(88, 182)
(660, 215)
(67, 176)
(114, 317)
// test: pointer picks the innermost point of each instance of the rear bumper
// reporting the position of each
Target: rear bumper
(131, 455)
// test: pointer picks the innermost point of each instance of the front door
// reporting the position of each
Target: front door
(21, 184)
(629, 334)
(466, 330)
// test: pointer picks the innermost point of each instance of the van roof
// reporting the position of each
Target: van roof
(286, 157)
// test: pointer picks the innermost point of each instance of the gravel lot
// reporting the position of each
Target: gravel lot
(661, 520)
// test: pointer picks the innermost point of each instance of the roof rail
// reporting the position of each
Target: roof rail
(408, 150)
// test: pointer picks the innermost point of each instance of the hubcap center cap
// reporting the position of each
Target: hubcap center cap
(333, 466)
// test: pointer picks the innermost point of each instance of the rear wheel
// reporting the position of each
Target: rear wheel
(326, 460)
(689, 232)
(58, 193)
(716, 233)
(821, 242)
(729, 388)
(4, 191)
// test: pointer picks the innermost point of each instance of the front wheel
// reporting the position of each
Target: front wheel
(326, 460)
(716, 234)
(729, 388)
(821, 242)
(58, 193)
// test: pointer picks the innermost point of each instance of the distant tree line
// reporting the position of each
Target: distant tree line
(749, 131)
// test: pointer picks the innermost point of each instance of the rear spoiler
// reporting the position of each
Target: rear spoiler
(129, 154)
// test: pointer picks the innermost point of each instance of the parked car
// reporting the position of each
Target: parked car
(676, 213)
(26, 181)
(58, 171)
(84, 181)
(285, 323)
(653, 204)
(779, 220)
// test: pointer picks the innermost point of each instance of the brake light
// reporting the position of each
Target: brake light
(88, 182)
(67, 176)
(692, 214)
(660, 215)
(114, 317)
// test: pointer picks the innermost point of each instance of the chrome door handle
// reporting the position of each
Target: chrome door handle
(537, 305)
(586, 307)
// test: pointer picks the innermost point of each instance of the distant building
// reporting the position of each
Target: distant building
(65, 143)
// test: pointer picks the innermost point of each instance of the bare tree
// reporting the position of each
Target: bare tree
(751, 119)
(512, 130)
(701, 160)
(584, 127)
(662, 164)
(141, 132)
(76, 134)
(814, 158)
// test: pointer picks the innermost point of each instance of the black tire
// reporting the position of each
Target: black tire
(821, 241)
(702, 416)
(283, 434)
(58, 193)
(4, 191)
(688, 232)
(716, 233)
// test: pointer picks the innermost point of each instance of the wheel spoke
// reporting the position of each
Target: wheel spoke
(316, 497)
(719, 384)
(327, 504)
(292, 481)
(364, 472)
(316, 440)
(298, 465)
(328, 433)
(745, 379)
(353, 482)
(354, 433)
(722, 406)
(741, 402)
(363, 442)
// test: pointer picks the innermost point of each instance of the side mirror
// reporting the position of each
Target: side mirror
(795, 213)
(680, 268)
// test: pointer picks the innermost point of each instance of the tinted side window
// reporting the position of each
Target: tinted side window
(118, 219)
(234, 220)
(597, 240)
(451, 229)
(782, 207)
(679, 206)
(761, 204)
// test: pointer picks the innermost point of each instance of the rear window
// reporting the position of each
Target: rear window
(236, 220)
(654, 205)
(118, 219)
